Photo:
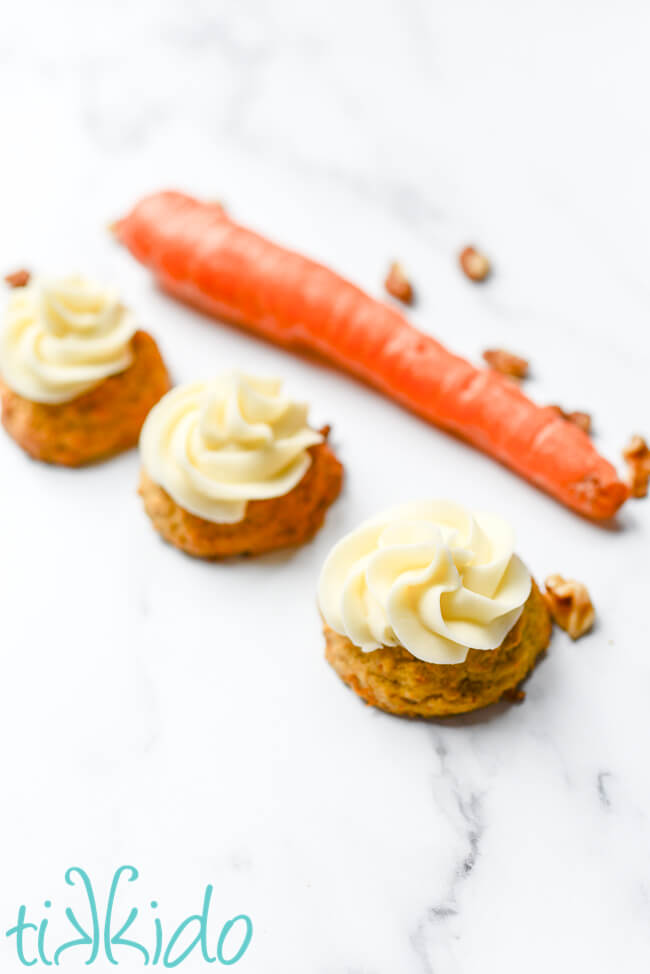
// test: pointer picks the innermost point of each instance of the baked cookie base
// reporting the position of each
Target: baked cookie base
(279, 522)
(395, 681)
(95, 425)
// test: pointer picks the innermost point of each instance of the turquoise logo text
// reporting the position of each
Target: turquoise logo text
(111, 936)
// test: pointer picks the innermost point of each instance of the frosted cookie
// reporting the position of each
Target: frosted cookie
(77, 377)
(428, 612)
(231, 467)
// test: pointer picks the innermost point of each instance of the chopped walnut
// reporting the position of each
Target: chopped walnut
(398, 284)
(475, 265)
(637, 480)
(637, 457)
(579, 419)
(637, 449)
(18, 278)
(569, 604)
(505, 362)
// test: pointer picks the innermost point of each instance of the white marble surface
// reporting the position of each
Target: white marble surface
(180, 716)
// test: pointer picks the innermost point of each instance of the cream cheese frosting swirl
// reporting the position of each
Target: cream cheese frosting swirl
(214, 446)
(429, 576)
(63, 337)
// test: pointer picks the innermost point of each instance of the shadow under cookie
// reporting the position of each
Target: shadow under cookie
(393, 680)
(103, 421)
(268, 525)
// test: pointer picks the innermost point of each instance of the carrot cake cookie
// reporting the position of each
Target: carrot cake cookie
(231, 467)
(428, 611)
(77, 376)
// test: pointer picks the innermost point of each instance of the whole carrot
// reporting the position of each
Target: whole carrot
(200, 256)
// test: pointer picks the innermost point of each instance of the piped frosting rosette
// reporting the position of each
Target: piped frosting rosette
(63, 337)
(214, 446)
(429, 576)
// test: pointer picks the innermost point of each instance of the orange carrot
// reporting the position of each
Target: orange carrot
(200, 256)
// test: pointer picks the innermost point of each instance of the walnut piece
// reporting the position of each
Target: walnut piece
(637, 457)
(475, 265)
(18, 278)
(579, 419)
(505, 362)
(569, 603)
(398, 284)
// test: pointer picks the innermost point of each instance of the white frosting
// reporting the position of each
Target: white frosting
(429, 576)
(62, 338)
(214, 446)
